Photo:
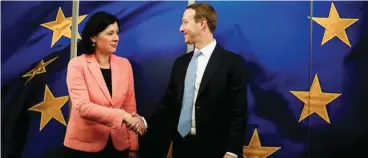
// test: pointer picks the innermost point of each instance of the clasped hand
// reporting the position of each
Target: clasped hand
(135, 123)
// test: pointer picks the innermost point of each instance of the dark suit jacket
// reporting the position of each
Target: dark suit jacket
(221, 105)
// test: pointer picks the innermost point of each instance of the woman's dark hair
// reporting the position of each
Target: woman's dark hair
(96, 24)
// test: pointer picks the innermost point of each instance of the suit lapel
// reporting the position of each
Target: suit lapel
(211, 68)
(94, 68)
(115, 69)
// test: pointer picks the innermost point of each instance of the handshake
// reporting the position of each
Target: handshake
(136, 124)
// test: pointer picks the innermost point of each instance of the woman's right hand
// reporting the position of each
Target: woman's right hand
(135, 124)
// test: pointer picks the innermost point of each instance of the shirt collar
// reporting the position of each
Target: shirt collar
(208, 49)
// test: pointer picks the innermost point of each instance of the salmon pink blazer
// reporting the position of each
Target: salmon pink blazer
(95, 114)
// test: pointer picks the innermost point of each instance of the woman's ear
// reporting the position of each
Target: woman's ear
(93, 39)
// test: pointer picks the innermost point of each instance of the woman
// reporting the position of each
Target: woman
(101, 90)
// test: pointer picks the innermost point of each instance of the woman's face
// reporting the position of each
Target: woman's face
(107, 40)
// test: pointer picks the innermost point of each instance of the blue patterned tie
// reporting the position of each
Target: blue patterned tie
(185, 120)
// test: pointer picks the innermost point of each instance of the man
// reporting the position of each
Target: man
(204, 109)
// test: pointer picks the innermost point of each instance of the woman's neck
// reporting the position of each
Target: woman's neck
(103, 60)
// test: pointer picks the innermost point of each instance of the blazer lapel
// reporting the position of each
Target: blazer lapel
(211, 68)
(94, 68)
(114, 75)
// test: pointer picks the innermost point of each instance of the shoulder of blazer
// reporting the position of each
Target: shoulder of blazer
(121, 60)
(185, 56)
(229, 54)
(219, 49)
(78, 61)
(182, 59)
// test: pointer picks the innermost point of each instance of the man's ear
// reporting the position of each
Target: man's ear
(203, 22)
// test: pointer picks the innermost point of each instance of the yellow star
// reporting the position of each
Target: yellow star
(335, 26)
(50, 108)
(255, 149)
(61, 26)
(40, 68)
(315, 101)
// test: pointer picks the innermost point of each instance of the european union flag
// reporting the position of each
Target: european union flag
(35, 54)
(339, 47)
(306, 65)
(306, 75)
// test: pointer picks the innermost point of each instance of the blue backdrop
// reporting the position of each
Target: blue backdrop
(305, 62)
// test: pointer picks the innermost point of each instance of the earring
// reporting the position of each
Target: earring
(93, 44)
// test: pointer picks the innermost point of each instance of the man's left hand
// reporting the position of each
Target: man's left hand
(228, 156)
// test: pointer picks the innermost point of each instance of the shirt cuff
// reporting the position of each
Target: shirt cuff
(145, 123)
(232, 154)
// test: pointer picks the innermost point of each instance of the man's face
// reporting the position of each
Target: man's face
(189, 27)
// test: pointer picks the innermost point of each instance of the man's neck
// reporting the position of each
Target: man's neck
(204, 41)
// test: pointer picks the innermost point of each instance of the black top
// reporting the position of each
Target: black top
(107, 76)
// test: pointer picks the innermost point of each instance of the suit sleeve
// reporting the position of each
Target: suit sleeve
(163, 110)
(159, 131)
(131, 106)
(238, 111)
(79, 96)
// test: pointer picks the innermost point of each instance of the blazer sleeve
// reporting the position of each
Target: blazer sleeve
(164, 112)
(238, 93)
(79, 95)
(130, 105)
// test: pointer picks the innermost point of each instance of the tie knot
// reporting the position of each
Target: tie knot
(197, 54)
